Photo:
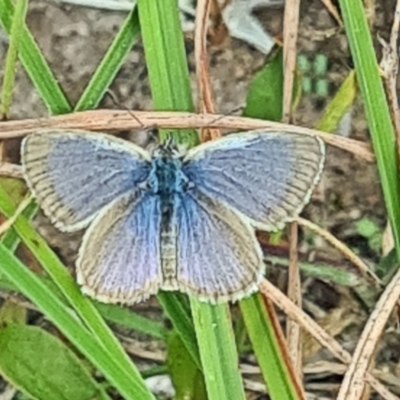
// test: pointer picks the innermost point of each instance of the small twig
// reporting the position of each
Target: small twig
(380, 388)
(337, 244)
(206, 99)
(137, 349)
(389, 68)
(297, 314)
(290, 34)
(333, 10)
(283, 345)
(11, 170)
(293, 331)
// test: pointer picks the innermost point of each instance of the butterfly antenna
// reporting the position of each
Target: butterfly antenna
(232, 112)
(114, 99)
(153, 130)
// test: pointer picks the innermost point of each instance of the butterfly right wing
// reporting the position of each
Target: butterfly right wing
(267, 176)
(119, 259)
(74, 174)
(219, 258)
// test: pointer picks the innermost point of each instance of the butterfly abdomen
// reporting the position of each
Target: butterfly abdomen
(168, 244)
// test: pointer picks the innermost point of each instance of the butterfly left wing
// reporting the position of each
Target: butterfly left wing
(219, 258)
(267, 177)
(74, 174)
(119, 260)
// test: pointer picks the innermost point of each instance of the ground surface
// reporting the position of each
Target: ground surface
(74, 40)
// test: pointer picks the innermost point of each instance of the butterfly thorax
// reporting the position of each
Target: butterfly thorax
(168, 181)
(166, 176)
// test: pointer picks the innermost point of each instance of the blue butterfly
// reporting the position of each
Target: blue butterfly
(170, 220)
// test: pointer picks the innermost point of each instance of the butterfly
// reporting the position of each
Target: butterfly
(168, 219)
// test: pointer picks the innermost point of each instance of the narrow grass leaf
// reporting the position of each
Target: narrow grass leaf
(185, 374)
(325, 272)
(111, 63)
(35, 64)
(376, 108)
(177, 308)
(123, 317)
(217, 351)
(126, 318)
(267, 349)
(16, 190)
(166, 62)
(12, 56)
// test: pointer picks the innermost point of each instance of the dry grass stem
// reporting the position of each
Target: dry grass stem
(389, 68)
(337, 244)
(10, 170)
(290, 34)
(333, 10)
(206, 99)
(119, 120)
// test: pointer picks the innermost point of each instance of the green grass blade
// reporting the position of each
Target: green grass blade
(177, 308)
(217, 351)
(166, 62)
(68, 322)
(185, 374)
(170, 86)
(111, 63)
(123, 317)
(376, 108)
(127, 319)
(267, 349)
(35, 64)
(12, 56)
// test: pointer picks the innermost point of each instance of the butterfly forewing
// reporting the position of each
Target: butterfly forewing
(75, 174)
(219, 258)
(267, 177)
(120, 258)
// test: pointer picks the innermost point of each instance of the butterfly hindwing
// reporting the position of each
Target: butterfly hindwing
(120, 259)
(219, 258)
(267, 177)
(74, 174)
